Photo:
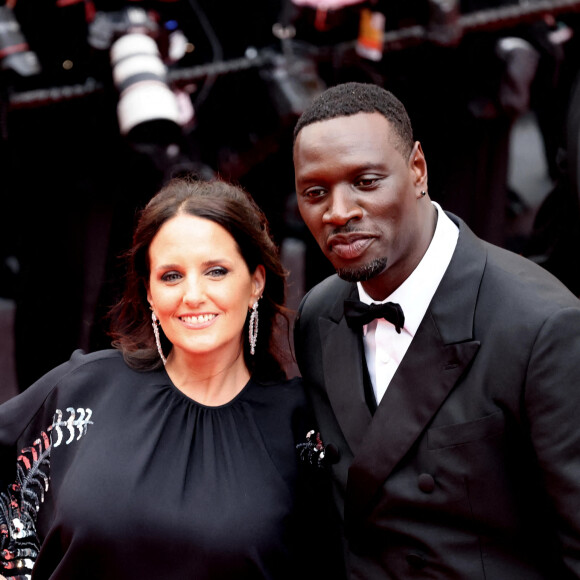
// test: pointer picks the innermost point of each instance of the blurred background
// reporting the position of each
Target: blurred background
(103, 101)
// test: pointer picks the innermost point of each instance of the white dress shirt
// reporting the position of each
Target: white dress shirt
(384, 347)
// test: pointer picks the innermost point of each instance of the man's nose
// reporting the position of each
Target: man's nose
(342, 207)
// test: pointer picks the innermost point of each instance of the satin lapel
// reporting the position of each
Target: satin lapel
(341, 356)
(422, 382)
(440, 352)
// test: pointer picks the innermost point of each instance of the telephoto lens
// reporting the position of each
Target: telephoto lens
(140, 76)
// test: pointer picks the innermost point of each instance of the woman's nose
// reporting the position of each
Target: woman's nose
(193, 292)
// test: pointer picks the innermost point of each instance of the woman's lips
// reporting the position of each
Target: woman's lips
(198, 321)
(350, 248)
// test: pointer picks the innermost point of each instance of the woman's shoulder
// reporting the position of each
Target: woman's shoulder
(81, 371)
(289, 391)
(282, 403)
(82, 382)
(104, 357)
(83, 366)
(293, 383)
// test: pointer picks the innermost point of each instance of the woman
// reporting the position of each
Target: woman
(173, 456)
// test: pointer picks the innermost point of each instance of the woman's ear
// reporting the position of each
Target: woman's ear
(258, 283)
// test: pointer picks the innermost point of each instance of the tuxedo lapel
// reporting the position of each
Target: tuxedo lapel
(424, 379)
(342, 353)
(440, 352)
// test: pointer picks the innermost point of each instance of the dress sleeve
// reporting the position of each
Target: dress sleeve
(25, 445)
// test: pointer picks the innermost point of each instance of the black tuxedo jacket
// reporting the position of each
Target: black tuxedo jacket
(470, 467)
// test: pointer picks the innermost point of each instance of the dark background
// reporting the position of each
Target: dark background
(71, 183)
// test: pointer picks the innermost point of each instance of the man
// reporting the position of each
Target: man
(451, 426)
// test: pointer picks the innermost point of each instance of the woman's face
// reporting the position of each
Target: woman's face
(200, 287)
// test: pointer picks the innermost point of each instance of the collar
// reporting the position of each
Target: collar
(416, 292)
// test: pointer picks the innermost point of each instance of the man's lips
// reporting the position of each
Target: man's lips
(351, 246)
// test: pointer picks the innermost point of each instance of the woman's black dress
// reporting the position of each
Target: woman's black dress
(111, 473)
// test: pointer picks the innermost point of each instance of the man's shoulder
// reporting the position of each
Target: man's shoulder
(507, 273)
(325, 300)
(510, 271)
(323, 297)
(332, 284)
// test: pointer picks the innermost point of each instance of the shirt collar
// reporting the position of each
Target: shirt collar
(417, 291)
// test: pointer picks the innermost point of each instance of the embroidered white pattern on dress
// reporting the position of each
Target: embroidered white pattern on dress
(19, 505)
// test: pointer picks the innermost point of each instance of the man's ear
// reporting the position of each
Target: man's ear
(418, 166)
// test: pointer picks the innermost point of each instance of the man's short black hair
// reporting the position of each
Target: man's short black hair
(351, 98)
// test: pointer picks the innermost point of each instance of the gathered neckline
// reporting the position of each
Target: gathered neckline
(202, 405)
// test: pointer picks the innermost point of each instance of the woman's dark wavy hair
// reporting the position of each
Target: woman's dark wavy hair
(233, 209)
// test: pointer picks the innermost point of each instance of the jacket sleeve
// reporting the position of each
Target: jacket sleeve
(552, 403)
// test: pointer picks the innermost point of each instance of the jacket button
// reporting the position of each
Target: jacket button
(416, 561)
(426, 483)
(331, 454)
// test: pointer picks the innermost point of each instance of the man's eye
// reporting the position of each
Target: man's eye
(367, 181)
(314, 193)
(171, 276)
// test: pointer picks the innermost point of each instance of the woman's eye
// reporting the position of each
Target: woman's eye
(217, 272)
(170, 276)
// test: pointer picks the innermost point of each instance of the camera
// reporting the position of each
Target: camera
(15, 54)
(138, 69)
(140, 76)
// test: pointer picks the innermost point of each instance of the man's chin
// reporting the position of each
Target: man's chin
(364, 272)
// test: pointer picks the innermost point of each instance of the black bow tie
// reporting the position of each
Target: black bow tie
(358, 313)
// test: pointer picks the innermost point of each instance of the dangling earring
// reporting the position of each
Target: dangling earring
(253, 328)
(155, 324)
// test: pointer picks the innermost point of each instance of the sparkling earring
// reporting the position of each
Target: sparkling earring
(423, 193)
(253, 328)
(155, 324)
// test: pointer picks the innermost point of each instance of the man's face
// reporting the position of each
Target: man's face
(361, 199)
